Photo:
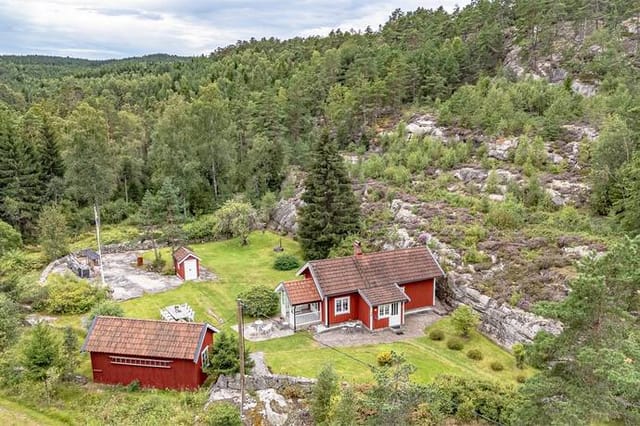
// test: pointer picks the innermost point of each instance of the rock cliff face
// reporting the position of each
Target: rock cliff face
(505, 324)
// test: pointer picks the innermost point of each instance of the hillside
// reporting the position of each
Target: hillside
(505, 136)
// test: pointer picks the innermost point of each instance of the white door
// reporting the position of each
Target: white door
(190, 269)
(394, 315)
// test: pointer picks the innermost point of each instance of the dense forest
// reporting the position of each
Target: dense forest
(161, 141)
(233, 122)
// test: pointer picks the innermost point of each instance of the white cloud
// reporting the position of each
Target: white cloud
(118, 28)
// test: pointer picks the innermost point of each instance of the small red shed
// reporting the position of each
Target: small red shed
(158, 354)
(186, 263)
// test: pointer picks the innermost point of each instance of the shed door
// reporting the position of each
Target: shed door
(190, 269)
(394, 315)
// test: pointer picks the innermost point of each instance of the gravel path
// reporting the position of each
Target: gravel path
(260, 365)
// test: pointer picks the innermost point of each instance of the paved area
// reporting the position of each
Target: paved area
(128, 281)
(263, 330)
(413, 327)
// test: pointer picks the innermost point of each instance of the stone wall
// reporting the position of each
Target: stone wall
(263, 382)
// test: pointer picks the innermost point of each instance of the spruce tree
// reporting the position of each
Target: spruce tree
(19, 175)
(331, 211)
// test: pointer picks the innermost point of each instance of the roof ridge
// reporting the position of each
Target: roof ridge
(151, 320)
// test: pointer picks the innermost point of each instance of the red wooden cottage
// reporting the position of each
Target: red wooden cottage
(186, 263)
(377, 289)
(158, 354)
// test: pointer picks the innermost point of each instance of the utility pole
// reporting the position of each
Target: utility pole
(241, 350)
(97, 220)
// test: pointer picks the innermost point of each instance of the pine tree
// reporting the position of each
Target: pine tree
(331, 211)
(19, 175)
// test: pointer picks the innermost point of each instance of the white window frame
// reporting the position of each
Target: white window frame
(204, 356)
(384, 311)
(339, 302)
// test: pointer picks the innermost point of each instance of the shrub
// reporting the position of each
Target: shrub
(436, 335)
(224, 358)
(521, 378)
(117, 211)
(260, 301)
(105, 308)
(496, 366)
(222, 414)
(455, 344)
(464, 319)
(201, 229)
(69, 294)
(519, 353)
(475, 354)
(286, 262)
(10, 239)
(506, 215)
(384, 358)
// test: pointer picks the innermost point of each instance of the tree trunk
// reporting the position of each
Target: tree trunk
(214, 179)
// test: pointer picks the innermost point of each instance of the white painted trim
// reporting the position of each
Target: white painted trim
(387, 308)
(370, 317)
(434, 291)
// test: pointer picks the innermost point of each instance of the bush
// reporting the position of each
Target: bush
(117, 211)
(10, 239)
(436, 335)
(201, 229)
(506, 215)
(496, 366)
(105, 308)
(69, 294)
(475, 354)
(519, 353)
(464, 319)
(224, 358)
(384, 358)
(455, 344)
(260, 302)
(286, 262)
(222, 414)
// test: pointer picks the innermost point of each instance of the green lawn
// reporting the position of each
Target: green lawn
(301, 356)
(237, 267)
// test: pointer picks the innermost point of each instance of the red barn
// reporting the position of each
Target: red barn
(186, 263)
(377, 289)
(158, 354)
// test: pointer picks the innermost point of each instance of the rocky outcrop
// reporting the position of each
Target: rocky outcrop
(284, 217)
(505, 324)
(424, 125)
(272, 398)
(501, 148)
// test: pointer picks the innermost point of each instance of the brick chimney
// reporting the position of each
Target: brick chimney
(357, 248)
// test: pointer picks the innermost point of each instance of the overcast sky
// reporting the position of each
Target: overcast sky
(117, 28)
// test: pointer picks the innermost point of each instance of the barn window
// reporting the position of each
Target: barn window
(140, 362)
(342, 305)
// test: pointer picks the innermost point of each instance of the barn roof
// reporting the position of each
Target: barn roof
(301, 291)
(349, 274)
(149, 338)
(182, 254)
